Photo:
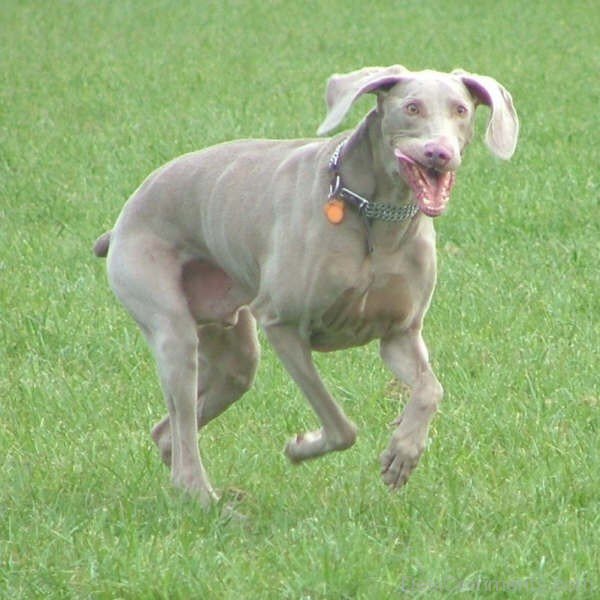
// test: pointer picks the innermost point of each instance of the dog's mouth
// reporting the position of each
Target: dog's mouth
(431, 187)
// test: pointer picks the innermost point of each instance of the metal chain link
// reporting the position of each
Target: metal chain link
(389, 212)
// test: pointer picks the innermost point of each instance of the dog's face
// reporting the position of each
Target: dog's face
(427, 121)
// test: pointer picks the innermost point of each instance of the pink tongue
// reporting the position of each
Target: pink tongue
(437, 186)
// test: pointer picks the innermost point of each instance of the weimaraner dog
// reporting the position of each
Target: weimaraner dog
(326, 243)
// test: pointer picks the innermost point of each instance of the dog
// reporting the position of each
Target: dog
(325, 243)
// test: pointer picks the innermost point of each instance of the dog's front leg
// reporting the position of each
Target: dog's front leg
(337, 431)
(406, 355)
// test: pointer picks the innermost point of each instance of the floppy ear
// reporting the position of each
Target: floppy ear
(503, 125)
(344, 89)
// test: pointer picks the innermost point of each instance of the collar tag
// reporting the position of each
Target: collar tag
(334, 210)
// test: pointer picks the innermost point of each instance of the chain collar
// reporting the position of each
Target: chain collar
(390, 213)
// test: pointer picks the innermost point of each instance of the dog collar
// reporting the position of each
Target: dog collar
(379, 211)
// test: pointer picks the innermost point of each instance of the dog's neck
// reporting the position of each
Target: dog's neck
(363, 170)
(363, 167)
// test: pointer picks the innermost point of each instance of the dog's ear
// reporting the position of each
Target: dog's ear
(503, 125)
(344, 89)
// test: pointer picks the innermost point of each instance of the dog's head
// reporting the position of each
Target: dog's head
(427, 120)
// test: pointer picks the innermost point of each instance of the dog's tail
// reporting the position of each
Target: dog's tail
(101, 244)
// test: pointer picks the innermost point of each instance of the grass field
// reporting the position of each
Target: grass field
(506, 501)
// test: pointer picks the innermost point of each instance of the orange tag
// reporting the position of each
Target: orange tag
(334, 209)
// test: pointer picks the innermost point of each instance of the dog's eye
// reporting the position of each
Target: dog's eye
(462, 110)
(412, 108)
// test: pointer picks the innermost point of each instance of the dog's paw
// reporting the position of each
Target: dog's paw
(305, 446)
(399, 461)
(162, 439)
(229, 513)
(316, 443)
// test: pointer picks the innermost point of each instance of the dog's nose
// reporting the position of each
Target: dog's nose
(437, 154)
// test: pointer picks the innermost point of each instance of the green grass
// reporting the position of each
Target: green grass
(505, 503)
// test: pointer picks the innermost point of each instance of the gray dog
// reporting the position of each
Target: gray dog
(326, 243)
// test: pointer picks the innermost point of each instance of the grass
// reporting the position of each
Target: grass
(505, 503)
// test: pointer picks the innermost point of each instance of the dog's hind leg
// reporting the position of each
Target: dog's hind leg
(227, 362)
(145, 274)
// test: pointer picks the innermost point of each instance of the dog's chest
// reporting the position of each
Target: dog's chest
(382, 299)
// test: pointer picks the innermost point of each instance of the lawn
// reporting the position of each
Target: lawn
(506, 501)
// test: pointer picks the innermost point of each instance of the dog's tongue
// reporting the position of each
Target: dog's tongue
(431, 188)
